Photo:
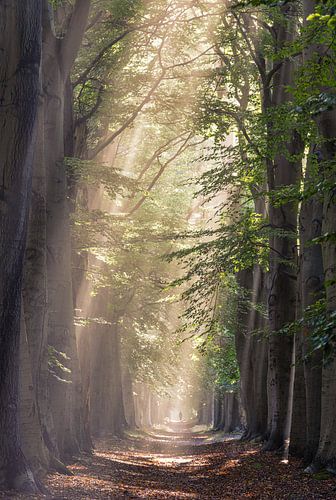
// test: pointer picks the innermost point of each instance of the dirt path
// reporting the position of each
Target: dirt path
(168, 466)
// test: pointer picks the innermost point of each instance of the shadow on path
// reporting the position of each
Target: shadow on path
(168, 465)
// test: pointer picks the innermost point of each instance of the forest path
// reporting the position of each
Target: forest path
(189, 465)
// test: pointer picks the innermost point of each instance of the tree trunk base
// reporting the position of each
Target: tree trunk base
(59, 466)
(23, 482)
(273, 445)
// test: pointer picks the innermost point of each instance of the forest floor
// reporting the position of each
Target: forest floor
(187, 466)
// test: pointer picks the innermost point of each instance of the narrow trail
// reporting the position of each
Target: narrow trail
(190, 465)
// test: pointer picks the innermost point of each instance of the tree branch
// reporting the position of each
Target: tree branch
(70, 44)
(82, 78)
(94, 108)
(158, 175)
(105, 142)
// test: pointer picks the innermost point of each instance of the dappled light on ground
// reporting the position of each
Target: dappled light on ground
(152, 466)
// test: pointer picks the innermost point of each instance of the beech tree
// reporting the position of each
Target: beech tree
(20, 43)
(167, 225)
(273, 129)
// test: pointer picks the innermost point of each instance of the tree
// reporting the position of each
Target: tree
(20, 42)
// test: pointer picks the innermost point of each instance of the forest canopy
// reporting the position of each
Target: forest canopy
(168, 225)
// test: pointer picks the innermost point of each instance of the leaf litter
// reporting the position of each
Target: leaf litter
(192, 466)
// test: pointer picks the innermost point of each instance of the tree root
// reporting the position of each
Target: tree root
(59, 466)
(24, 483)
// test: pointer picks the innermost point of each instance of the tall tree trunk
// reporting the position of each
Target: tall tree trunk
(282, 299)
(217, 410)
(296, 417)
(251, 354)
(311, 288)
(128, 398)
(326, 123)
(119, 421)
(106, 397)
(100, 386)
(20, 54)
(33, 445)
(85, 361)
(326, 454)
(58, 58)
(255, 376)
(35, 293)
(284, 171)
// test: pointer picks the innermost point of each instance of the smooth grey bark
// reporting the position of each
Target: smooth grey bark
(285, 170)
(298, 416)
(128, 399)
(227, 414)
(145, 406)
(217, 410)
(20, 56)
(231, 412)
(58, 58)
(311, 289)
(251, 354)
(33, 445)
(326, 454)
(118, 404)
(254, 366)
(326, 124)
(60, 313)
(100, 386)
(85, 362)
(107, 413)
(274, 79)
(281, 300)
(35, 296)
(154, 409)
